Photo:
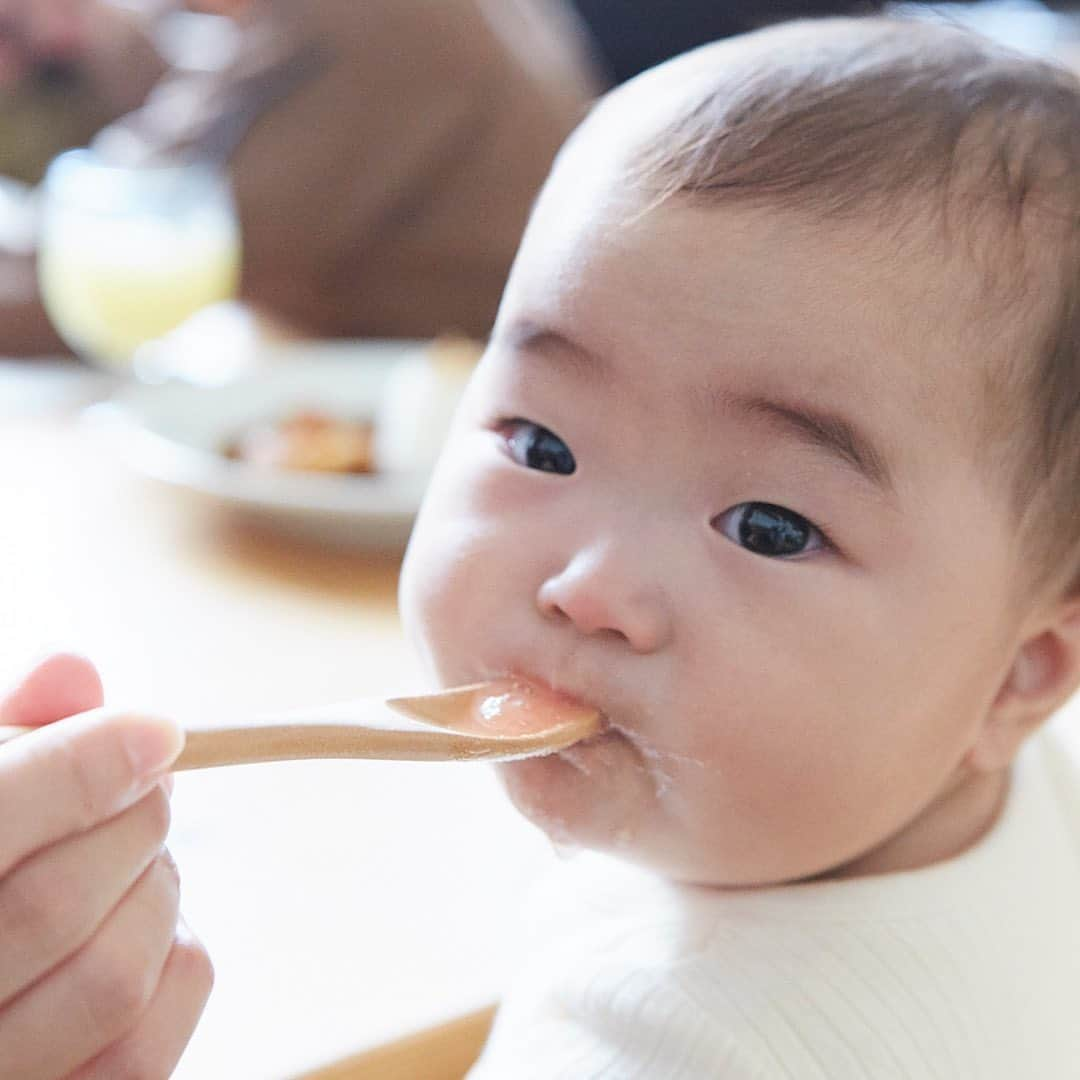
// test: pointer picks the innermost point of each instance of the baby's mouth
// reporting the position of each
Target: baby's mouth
(617, 729)
(586, 755)
(570, 696)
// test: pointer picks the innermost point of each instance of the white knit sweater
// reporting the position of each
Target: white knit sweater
(967, 970)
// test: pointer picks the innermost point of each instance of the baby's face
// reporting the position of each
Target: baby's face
(715, 477)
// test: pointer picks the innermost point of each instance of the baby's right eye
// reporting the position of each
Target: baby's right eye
(536, 447)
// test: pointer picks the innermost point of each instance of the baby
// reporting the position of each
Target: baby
(774, 457)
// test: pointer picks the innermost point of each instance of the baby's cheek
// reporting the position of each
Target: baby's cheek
(470, 500)
(439, 594)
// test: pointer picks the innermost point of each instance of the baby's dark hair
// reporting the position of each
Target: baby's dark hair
(901, 121)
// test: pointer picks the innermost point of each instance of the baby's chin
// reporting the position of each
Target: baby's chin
(596, 794)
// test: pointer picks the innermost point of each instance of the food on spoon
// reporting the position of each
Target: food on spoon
(523, 708)
(309, 440)
(510, 706)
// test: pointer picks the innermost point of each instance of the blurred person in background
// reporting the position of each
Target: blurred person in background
(383, 155)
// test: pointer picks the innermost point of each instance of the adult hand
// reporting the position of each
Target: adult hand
(98, 977)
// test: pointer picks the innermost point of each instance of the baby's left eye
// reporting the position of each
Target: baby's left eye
(536, 447)
(772, 531)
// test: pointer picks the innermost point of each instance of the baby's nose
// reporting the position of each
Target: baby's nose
(598, 593)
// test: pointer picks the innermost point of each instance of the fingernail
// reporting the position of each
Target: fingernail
(152, 744)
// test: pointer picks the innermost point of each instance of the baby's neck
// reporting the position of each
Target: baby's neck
(957, 820)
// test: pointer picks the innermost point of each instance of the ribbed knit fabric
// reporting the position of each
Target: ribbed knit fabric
(966, 970)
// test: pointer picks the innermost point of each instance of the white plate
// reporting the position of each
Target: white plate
(174, 433)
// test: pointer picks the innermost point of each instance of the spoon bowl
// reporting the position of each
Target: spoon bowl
(494, 721)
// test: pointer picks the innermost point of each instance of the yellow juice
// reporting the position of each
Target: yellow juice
(112, 285)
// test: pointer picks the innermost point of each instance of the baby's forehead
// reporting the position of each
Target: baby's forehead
(962, 276)
(929, 285)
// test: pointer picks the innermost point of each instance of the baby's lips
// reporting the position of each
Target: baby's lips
(519, 706)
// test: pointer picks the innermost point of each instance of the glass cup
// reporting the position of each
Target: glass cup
(127, 254)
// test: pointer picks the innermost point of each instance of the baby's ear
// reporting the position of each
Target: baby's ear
(1044, 674)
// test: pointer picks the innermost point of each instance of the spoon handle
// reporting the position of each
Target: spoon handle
(205, 748)
(250, 743)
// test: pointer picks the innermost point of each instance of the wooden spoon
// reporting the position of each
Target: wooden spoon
(494, 721)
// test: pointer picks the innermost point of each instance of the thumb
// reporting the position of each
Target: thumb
(57, 687)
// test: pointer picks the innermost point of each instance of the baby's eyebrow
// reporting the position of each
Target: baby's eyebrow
(822, 429)
(829, 431)
(533, 337)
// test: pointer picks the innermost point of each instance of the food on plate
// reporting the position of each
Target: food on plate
(411, 420)
(308, 440)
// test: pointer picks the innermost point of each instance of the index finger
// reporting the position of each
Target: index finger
(69, 776)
